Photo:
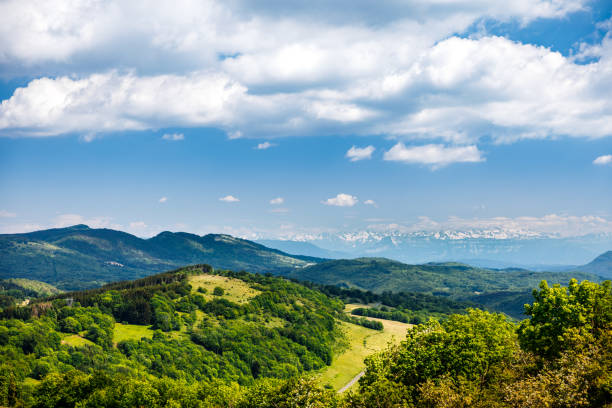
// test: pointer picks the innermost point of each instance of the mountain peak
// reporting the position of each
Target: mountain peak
(78, 227)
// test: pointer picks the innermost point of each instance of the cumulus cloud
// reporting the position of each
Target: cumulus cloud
(7, 214)
(370, 202)
(360, 153)
(229, 199)
(394, 69)
(341, 200)
(277, 201)
(174, 137)
(112, 101)
(163, 199)
(433, 154)
(601, 160)
(264, 145)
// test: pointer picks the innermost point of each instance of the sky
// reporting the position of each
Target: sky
(277, 119)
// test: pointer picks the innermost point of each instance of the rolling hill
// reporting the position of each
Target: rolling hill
(381, 274)
(602, 265)
(80, 257)
(505, 290)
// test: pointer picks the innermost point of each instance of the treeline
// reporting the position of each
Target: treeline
(402, 300)
(382, 314)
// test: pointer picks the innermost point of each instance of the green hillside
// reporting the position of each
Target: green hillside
(504, 290)
(602, 265)
(200, 338)
(380, 275)
(79, 257)
(193, 324)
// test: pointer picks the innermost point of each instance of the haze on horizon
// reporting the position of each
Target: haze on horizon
(290, 120)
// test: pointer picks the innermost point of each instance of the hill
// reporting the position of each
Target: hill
(194, 324)
(498, 289)
(602, 265)
(80, 257)
(381, 274)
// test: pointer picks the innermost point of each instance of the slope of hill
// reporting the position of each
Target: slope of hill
(79, 257)
(381, 274)
(499, 289)
(253, 326)
(193, 324)
(602, 265)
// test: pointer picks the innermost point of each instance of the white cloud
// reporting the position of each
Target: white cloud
(341, 200)
(7, 214)
(111, 101)
(601, 160)
(433, 154)
(197, 31)
(370, 202)
(175, 137)
(272, 69)
(360, 153)
(265, 145)
(138, 225)
(163, 199)
(277, 201)
(229, 199)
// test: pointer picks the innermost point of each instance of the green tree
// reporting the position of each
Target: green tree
(218, 291)
(564, 318)
(466, 348)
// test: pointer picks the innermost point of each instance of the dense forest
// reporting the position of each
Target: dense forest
(195, 337)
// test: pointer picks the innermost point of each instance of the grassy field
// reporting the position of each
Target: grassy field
(235, 289)
(130, 332)
(362, 343)
(75, 340)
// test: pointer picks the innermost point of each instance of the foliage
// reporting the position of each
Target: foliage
(227, 354)
(565, 318)
(196, 340)
(462, 347)
(460, 282)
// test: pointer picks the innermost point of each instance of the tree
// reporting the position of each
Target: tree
(566, 318)
(466, 348)
(218, 291)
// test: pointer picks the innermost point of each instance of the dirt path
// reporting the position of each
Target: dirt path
(350, 383)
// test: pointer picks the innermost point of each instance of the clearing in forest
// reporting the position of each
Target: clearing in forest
(362, 342)
(234, 289)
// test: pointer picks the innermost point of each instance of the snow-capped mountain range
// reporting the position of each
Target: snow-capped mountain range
(498, 245)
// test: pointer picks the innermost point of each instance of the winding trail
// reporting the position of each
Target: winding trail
(350, 383)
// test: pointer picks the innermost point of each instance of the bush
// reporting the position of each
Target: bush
(218, 291)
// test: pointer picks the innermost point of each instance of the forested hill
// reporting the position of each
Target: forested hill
(505, 290)
(193, 324)
(381, 274)
(80, 257)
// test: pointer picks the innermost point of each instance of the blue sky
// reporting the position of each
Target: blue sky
(404, 116)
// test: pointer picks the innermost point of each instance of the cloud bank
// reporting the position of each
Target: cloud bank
(270, 70)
